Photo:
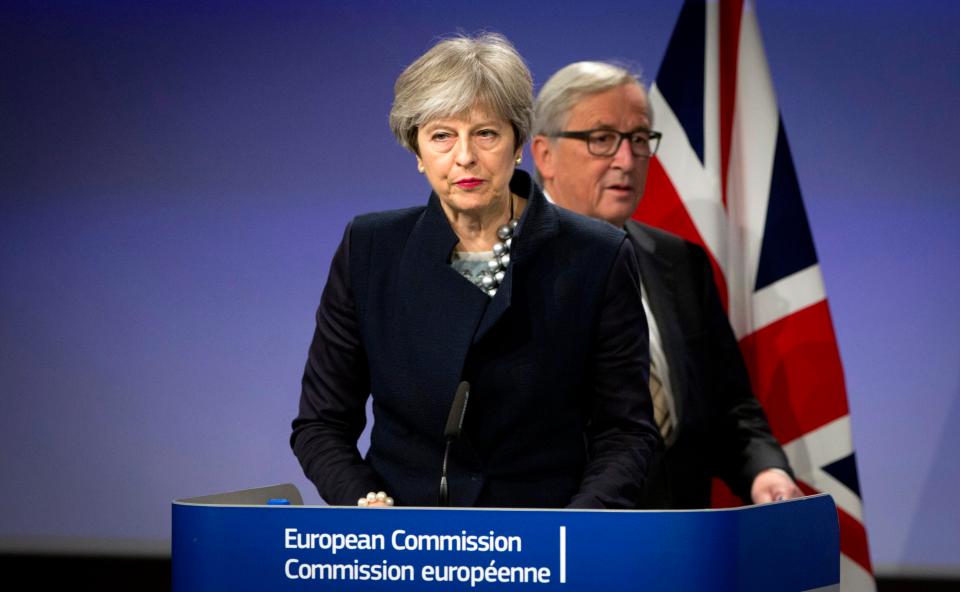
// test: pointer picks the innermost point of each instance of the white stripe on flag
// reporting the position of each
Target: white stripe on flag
(711, 98)
(787, 296)
(699, 190)
(842, 495)
(822, 446)
(752, 148)
(818, 448)
(854, 578)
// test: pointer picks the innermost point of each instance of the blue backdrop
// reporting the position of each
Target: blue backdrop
(174, 179)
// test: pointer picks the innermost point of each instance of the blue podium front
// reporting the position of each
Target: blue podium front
(792, 545)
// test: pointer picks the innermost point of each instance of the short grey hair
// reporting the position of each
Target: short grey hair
(457, 74)
(569, 86)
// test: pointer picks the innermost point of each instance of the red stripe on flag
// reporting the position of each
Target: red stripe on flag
(853, 540)
(662, 207)
(721, 496)
(794, 365)
(730, 11)
(853, 536)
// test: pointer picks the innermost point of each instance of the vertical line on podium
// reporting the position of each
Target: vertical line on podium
(563, 554)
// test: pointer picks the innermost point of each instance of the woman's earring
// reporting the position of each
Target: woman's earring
(420, 168)
(519, 159)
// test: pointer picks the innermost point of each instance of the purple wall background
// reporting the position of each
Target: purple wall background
(174, 180)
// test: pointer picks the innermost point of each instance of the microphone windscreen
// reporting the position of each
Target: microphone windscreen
(457, 411)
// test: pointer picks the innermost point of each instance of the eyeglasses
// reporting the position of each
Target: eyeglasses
(606, 142)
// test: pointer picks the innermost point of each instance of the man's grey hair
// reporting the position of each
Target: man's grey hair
(460, 73)
(569, 86)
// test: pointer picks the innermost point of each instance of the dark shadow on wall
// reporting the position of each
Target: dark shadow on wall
(103, 573)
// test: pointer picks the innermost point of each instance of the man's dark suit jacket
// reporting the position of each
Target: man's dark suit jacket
(722, 430)
(559, 411)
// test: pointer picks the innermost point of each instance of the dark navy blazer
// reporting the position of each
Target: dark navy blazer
(559, 411)
(721, 430)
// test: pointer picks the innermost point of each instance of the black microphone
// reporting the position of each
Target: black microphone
(451, 433)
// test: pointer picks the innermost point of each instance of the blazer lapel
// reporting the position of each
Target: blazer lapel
(536, 226)
(439, 309)
(656, 273)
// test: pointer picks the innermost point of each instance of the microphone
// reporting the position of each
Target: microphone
(451, 433)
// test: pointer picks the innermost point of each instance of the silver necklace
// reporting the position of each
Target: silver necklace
(489, 279)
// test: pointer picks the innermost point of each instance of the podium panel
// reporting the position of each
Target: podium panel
(791, 545)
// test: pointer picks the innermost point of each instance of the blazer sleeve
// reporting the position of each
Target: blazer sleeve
(621, 434)
(334, 391)
(742, 442)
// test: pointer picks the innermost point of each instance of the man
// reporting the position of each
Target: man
(592, 144)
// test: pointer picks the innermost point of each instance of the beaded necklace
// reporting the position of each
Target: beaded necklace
(489, 279)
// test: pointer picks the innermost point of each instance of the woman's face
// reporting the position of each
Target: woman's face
(468, 159)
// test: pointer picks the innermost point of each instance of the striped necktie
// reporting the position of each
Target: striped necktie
(661, 408)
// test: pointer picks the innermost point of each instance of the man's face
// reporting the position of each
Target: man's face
(605, 187)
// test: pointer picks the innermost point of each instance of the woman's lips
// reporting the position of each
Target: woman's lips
(468, 183)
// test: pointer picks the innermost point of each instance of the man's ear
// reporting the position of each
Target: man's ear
(543, 155)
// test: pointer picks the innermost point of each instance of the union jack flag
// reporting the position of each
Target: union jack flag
(724, 178)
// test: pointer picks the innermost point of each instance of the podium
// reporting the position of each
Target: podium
(264, 539)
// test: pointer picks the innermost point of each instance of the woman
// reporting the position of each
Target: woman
(537, 308)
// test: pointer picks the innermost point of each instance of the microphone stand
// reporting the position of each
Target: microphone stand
(451, 433)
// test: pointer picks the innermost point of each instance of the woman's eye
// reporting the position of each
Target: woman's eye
(440, 136)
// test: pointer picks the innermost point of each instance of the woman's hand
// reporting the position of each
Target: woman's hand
(375, 500)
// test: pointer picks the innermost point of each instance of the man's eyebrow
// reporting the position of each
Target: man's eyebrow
(607, 127)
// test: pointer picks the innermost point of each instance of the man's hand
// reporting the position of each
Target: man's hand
(773, 485)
